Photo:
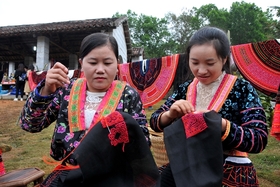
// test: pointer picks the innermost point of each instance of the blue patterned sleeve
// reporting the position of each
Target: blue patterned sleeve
(39, 111)
(248, 131)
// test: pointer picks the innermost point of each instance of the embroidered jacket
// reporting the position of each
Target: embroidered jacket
(242, 107)
(39, 112)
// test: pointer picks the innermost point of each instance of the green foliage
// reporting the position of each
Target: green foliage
(266, 102)
(151, 33)
(272, 12)
(182, 27)
(213, 16)
(247, 23)
(159, 37)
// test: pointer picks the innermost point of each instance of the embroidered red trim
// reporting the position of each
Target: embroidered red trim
(112, 119)
(118, 134)
(117, 129)
(194, 124)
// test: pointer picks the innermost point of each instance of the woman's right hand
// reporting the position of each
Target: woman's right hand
(56, 77)
(177, 110)
(180, 108)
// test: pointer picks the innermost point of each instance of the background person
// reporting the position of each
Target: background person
(26, 85)
(20, 77)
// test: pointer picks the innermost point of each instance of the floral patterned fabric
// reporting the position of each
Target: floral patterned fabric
(39, 112)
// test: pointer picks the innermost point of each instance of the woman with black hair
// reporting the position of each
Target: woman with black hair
(211, 123)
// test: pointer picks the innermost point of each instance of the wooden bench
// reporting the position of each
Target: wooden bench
(22, 177)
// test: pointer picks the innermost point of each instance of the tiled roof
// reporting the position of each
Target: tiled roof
(16, 42)
(68, 26)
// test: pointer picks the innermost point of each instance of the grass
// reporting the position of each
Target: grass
(29, 149)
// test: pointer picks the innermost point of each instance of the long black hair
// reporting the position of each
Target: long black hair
(215, 36)
(95, 40)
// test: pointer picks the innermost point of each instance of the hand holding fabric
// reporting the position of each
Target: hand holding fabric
(180, 108)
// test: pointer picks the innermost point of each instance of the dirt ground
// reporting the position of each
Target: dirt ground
(13, 108)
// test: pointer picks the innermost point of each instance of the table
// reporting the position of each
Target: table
(7, 85)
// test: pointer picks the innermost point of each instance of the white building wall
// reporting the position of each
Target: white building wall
(42, 53)
(118, 33)
(12, 68)
(73, 61)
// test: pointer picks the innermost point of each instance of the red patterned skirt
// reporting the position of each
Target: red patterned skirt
(239, 175)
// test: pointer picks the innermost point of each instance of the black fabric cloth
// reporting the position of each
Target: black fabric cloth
(196, 161)
(166, 178)
(102, 164)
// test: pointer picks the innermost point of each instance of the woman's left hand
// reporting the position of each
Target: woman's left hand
(224, 122)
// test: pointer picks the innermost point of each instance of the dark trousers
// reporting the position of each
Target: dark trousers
(20, 88)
